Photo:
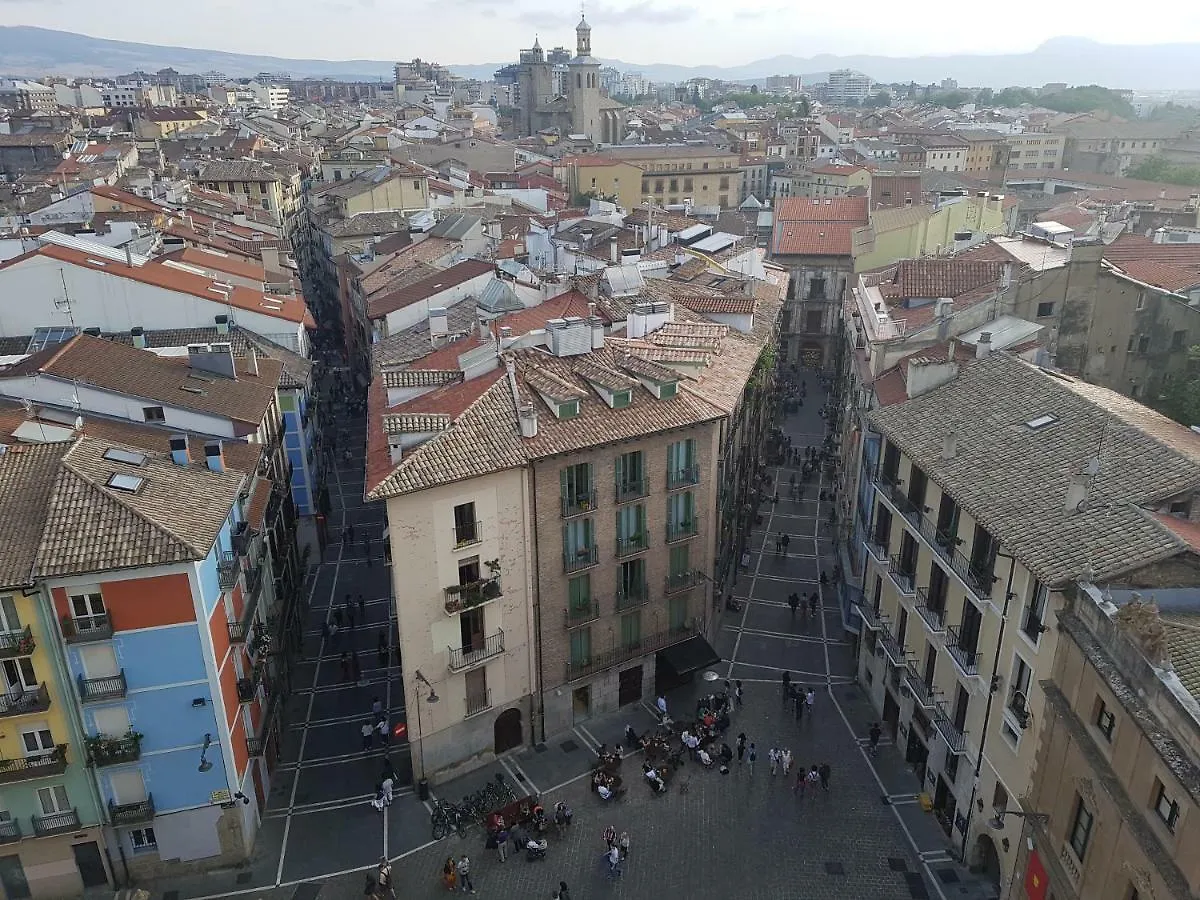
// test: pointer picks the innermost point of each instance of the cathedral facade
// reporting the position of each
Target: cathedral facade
(573, 105)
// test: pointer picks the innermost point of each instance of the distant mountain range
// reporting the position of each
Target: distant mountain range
(38, 51)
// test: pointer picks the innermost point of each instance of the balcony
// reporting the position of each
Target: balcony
(976, 581)
(934, 619)
(582, 613)
(634, 489)
(466, 657)
(902, 575)
(684, 476)
(923, 695)
(16, 643)
(637, 543)
(131, 813)
(872, 618)
(10, 832)
(580, 558)
(238, 632)
(227, 570)
(632, 596)
(477, 703)
(41, 765)
(107, 751)
(21, 703)
(56, 823)
(892, 647)
(952, 734)
(681, 531)
(460, 597)
(84, 629)
(110, 687)
(682, 581)
(598, 662)
(467, 535)
(256, 745)
(253, 589)
(877, 550)
(966, 658)
(578, 504)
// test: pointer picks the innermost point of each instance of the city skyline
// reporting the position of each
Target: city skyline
(484, 32)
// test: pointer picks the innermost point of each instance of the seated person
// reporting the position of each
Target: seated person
(705, 759)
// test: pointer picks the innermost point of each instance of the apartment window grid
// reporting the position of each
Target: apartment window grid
(1104, 720)
(1081, 829)
(581, 646)
(1165, 806)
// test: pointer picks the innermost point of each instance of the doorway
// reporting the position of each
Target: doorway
(581, 703)
(507, 731)
(891, 714)
(90, 865)
(12, 877)
(916, 754)
(629, 686)
(987, 859)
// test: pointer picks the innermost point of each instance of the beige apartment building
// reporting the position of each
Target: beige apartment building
(556, 481)
(257, 185)
(993, 493)
(1113, 811)
(675, 173)
(1035, 150)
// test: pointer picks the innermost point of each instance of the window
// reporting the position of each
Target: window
(1104, 720)
(667, 390)
(1045, 309)
(1177, 339)
(681, 463)
(681, 516)
(1141, 301)
(88, 611)
(466, 528)
(621, 399)
(53, 800)
(1018, 697)
(679, 560)
(814, 321)
(266, 203)
(1144, 344)
(19, 676)
(1081, 829)
(581, 646)
(578, 540)
(9, 621)
(678, 612)
(631, 629)
(674, 185)
(567, 410)
(1166, 807)
(631, 529)
(1033, 621)
(142, 839)
(153, 414)
(416, 185)
(576, 488)
(38, 740)
(630, 475)
(579, 596)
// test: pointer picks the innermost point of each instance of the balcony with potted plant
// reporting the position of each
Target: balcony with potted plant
(461, 597)
(111, 751)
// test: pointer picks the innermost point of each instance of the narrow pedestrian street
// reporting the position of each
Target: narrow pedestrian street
(867, 837)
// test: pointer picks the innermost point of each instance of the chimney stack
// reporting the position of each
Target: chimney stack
(214, 456)
(949, 445)
(179, 450)
(1077, 494)
(216, 359)
(139, 336)
(528, 417)
(983, 348)
(128, 256)
(222, 324)
(252, 361)
(439, 323)
(613, 253)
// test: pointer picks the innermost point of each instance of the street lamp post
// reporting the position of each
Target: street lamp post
(423, 782)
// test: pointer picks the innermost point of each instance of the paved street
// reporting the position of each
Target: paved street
(739, 835)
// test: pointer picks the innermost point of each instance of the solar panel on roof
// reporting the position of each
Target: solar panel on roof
(49, 336)
(118, 454)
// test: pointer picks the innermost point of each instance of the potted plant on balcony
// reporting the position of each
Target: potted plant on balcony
(25, 645)
(491, 587)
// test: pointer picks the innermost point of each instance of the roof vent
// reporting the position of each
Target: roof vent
(1039, 422)
(1077, 494)
(949, 445)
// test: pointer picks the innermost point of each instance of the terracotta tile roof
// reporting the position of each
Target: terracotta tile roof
(219, 262)
(572, 303)
(594, 159)
(832, 209)
(451, 400)
(140, 373)
(405, 258)
(240, 456)
(291, 309)
(1163, 275)
(814, 239)
(931, 279)
(437, 283)
(27, 475)
(1013, 479)
(445, 359)
(256, 509)
(93, 527)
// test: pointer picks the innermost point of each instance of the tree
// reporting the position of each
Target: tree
(879, 99)
(1180, 397)
(1158, 168)
(985, 97)
(1014, 96)
(754, 88)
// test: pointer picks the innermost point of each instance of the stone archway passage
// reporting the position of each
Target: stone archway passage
(987, 859)
(507, 730)
(812, 355)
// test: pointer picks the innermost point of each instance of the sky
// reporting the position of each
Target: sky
(685, 32)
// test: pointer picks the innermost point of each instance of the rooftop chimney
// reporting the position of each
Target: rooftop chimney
(128, 256)
(983, 346)
(613, 253)
(529, 420)
(1077, 493)
(251, 360)
(214, 456)
(949, 445)
(222, 324)
(179, 450)
(139, 336)
(439, 322)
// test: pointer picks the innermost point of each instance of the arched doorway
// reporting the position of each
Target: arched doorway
(987, 859)
(507, 730)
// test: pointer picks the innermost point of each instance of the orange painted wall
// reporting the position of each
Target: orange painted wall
(218, 630)
(229, 698)
(148, 602)
(239, 602)
(60, 602)
(241, 753)
(256, 715)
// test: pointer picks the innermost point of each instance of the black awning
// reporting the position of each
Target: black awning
(689, 656)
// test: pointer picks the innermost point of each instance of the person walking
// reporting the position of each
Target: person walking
(326, 634)
(751, 756)
(824, 772)
(801, 699)
(381, 649)
(337, 617)
(813, 778)
(388, 786)
(785, 760)
(384, 879)
(661, 703)
(809, 699)
(738, 692)
(773, 759)
(344, 661)
(610, 837)
(502, 841)
(355, 668)
(562, 893)
(376, 707)
(787, 686)
(813, 599)
(741, 747)
(794, 602)
(787, 539)
(463, 867)
(623, 845)
(801, 782)
(368, 732)
(349, 611)
(362, 608)
(614, 862)
(381, 728)
(873, 738)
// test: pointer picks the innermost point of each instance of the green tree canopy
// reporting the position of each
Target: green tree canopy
(1180, 397)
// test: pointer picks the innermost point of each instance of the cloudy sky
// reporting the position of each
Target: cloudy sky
(687, 32)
